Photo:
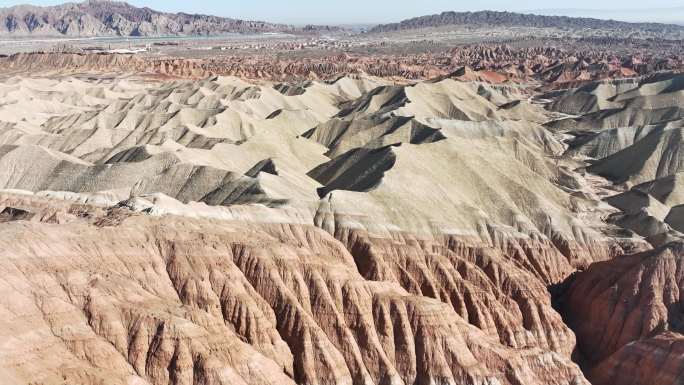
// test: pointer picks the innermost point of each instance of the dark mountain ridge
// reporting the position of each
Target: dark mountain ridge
(113, 18)
(512, 19)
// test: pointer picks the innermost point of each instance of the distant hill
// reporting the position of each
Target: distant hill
(491, 18)
(109, 18)
(673, 15)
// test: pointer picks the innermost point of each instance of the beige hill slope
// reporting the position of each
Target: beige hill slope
(668, 190)
(634, 135)
(200, 132)
(655, 156)
(608, 142)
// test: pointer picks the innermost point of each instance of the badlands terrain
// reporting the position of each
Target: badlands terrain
(307, 210)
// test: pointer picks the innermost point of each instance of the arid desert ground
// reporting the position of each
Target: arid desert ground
(483, 198)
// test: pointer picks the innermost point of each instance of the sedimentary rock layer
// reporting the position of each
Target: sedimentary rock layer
(111, 296)
(627, 316)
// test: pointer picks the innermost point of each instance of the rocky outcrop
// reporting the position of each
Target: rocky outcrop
(653, 360)
(628, 318)
(137, 299)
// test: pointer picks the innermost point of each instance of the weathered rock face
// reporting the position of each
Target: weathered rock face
(627, 315)
(135, 299)
(489, 287)
(655, 360)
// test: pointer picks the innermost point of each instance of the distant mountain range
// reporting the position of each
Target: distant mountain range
(673, 15)
(490, 18)
(112, 18)
(109, 18)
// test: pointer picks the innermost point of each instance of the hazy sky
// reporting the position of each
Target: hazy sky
(362, 11)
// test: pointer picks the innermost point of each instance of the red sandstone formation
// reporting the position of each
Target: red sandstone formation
(131, 298)
(628, 318)
(550, 66)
